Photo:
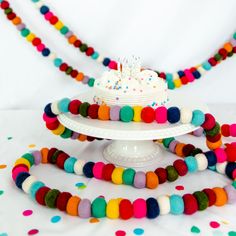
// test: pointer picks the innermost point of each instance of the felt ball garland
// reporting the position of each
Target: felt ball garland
(119, 208)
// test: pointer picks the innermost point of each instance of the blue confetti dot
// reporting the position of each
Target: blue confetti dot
(138, 231)
(3, 234)
(55, 219)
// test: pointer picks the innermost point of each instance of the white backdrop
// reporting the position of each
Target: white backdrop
(168, 35)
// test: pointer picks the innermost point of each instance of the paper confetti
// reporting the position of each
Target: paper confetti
(93, 220)
(33, 232)
(3, 166)
(138, 231)
(120, 233)
(27, 212)
(55, 219)
(214, 224)
(80, 185)
(195, 230)
(179, 187)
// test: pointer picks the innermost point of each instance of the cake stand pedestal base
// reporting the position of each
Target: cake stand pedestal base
(132, 153)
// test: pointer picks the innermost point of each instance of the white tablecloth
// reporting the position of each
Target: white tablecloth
(21, 130)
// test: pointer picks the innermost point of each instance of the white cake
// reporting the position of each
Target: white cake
(129, 85)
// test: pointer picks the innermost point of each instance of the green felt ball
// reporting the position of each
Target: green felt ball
(171, 85)
(234, 36)
(64, 30)
(25, 32)
(83, 47)
(69, 70)
(128, 176)
(167, 141)
(172, 173)
(51, 197)
(83, 109)
(202, 200)
(230, 54)
(126, 113)
(214, 131)
(196, 151)
(218, 57)
(29, 157)
(7, 11)
(55, 155)
(91, 82)
(99, 208)
(67, 133)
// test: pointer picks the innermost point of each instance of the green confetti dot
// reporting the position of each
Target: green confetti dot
(1, 192)
(232, 233)
(195, 230)
(9, 138)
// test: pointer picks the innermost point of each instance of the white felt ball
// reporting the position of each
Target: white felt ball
(39, 4)
(26, 185)
(186, 115)
(201, 70)
(164, 204)
(220, 167)
(78, 167)
(202, 162)
(52, 56)
(54, 108)
(100, 59)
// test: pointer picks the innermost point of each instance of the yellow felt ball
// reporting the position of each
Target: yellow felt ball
(178, 83)
(22, 161)
(116, 176)
(112, 210)
(137, 113)
(30, 37)
(59, 25)
(59, 130)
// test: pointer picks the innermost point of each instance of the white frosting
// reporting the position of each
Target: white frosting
(131, 87)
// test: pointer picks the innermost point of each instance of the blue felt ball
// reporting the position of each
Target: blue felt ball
(211, 158)
(69, 164)
(173, 115)
(88, 169)
(176, 204)
(21, 178)
(48, 110)
(153, 209)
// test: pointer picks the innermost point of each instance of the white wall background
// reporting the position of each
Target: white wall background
(167, 35)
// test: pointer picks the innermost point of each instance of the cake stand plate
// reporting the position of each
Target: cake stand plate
(132, 143)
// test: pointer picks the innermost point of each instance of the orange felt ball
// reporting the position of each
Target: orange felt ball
(221, 196)
(44, 153)
(82, 137)
(72, 39)
(228, 47)
(104, 112)
(179, 149)
(215, 145)
(80, 76)
(151, 180)
(72, 206)
(16, 20)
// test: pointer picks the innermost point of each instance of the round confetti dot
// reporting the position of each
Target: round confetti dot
(120, 233)
(9, 138)
(1, 192)
(33, 232)
(3, 166)
(214, 224)
(179, 187)
(225, 222)
(80, 185)
(3, 234)
(55, 219)
(232, 233)
(93, 220)
(32, 146)
(138, 231)
(27, 212)
(195, 230)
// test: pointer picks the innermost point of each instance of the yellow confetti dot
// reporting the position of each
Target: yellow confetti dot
(93, 220)
(32, 146)
(225, 222)
(3, 166)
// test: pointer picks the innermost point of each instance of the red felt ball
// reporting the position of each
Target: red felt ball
(223, 53)
(74, 106)
(148, 114)
(162, 175)
(74, 73)
(212, 61)
(107, 171)
(190, 204)
(20, 165)
(225, 130)
(53, 125)
(213, 139)
(89, 51)
(188, 149)
(192, 69)
(62, 157)
(4, 4)
(184, 80)
(231, 152)
(162, 75)
(234, 49)
(40, 195)
(125, 209)
(77, 43)
(36, 41)
(181, 167)
(63, 67)
(11, 16)
(53, 20)
(62, 200)
(209, 122)
(50, 154)
(211, 195)
(93, 111)
(90, 138)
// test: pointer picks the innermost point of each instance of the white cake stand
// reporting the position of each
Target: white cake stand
(132, 144)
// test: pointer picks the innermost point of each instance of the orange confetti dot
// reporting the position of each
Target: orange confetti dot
(32, 146)
(3, 166)
(94, 220)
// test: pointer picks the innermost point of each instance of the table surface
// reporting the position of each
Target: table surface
(23, 130)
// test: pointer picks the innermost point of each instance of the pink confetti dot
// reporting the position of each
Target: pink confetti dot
(179, 187)
(27, 212)
(33, 232)
(120, 233)
(214, 224)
